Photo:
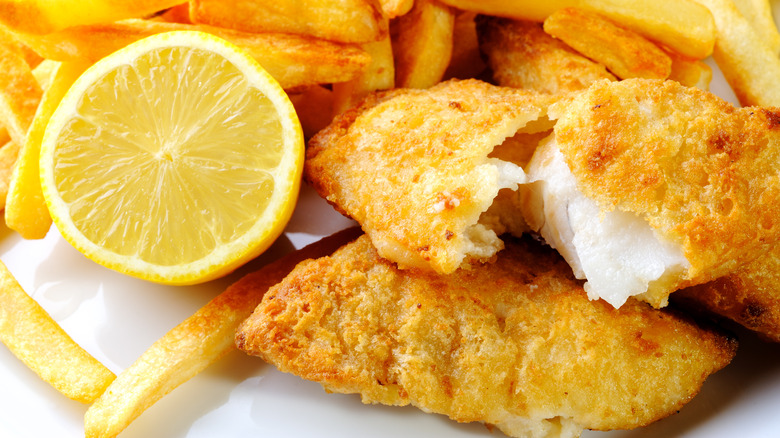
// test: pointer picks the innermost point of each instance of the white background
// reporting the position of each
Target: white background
(116, 318)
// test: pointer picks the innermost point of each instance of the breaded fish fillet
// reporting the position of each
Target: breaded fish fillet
(750, 296)
(648, 186)
(515, 343)
(522, 55)
(412, 167)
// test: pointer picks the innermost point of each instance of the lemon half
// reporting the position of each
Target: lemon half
(176, 159)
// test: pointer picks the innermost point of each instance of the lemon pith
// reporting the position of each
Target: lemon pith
(175, 159)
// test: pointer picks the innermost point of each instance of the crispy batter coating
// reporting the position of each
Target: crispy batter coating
(705, 175)
(412, 167)
(522, 55)
(514, 343)
(750, 296)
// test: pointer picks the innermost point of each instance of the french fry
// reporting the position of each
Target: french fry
(748, 63)
(9, 154)
(38, 341)
(177, 14)
(521, 55)
(396, 8)
(293, 60)
(379, 75)
(19, 94)
(191, 346)
(759, 14)
(25, 207)
(682, 25)
(466, 60)
(348, 21)
(9, 38)
(44, 72)
(690, 73)
(422, 44)
(46, 16)
(314, 106)
(625, 53)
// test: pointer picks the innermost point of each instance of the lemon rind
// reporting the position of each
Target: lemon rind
(227, 257)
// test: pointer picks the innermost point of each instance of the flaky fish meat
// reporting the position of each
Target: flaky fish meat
(646, 187)
(515, 343)
(413, 167)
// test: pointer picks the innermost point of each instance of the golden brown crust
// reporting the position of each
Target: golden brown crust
(412, 168)
(750, 296)
(703, 173)
(293, 60)
(349, 21)
(515, 343)
(522, 55)
(622, 51)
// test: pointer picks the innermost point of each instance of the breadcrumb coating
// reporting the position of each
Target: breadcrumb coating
(522, 55)
(750, 296)
(704, 174)
(515, 343)
(413, 168)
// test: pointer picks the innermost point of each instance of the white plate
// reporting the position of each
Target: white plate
(116, 318)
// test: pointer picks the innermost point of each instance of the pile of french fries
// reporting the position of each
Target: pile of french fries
(328, 55)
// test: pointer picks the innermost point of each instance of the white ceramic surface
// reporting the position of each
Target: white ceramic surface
(116, 318)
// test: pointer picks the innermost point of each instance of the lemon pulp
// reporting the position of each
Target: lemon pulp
(173, 158)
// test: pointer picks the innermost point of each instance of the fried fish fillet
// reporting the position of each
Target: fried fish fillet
(515, 343)
(648, 186)
(413, 168)
(522, 55)
(750, 296)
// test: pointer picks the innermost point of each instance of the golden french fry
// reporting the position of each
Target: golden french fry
(682, 25)
(25, 207)
(422, 44)
(44, 72)
(348, 21)
(9, 38)
(292, 60)
(314, 106)
(191, 346)
(9, 154)
(466, 60)
(625, 53)
(396, 8)
(46, 16)
(379, 75)
(19, 94)
(38, 341)
(690, 73)
(748, 63)
(177, 14)
(521, 55)
(759, 14)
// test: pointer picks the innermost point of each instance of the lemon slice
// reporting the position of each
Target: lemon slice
(175, 159)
